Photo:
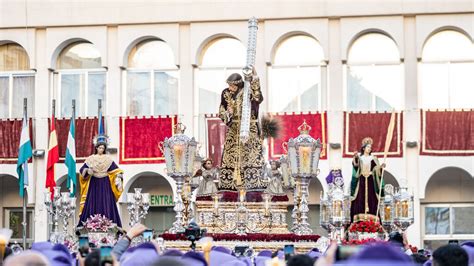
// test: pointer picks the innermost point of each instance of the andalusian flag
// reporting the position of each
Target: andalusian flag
(53, 157)
(71, 157)
(25, 152)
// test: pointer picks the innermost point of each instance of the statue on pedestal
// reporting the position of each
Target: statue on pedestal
(101, 182)
(366, 178)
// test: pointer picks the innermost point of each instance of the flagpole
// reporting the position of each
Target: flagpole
(25, 104)
(73, 119)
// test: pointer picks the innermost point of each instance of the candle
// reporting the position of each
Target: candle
(338, 209)
(57, 193)
(242, 195)
(178, 156)
(397, 209)
(47, 197)
(216, 204)
(3, 243)
(206, 247)
(387, 213)
(405, 209)
(305, 159)
(73, 202)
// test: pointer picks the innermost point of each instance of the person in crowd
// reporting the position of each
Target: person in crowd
(401, 240)
(300, 260)
(418, 258)
(169, 261)
(27, 258)
(450, 255)
(122, 245)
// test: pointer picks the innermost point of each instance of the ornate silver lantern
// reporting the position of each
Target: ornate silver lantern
(179, 151)
(303, 153)
(339, 209)
(403, 208)
(324, 208)
(387, 208)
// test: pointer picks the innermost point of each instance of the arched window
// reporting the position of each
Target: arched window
(446, 71)
(448, 207)
(17, 81)
(374, 74)
(152, 80)
(80, 77)
(219, 59)
(295, 75)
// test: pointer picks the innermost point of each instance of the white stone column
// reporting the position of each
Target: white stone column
(41, 135)
(186, 86)
(411, 128)
(334, 92)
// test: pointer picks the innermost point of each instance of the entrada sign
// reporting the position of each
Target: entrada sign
(161, 200)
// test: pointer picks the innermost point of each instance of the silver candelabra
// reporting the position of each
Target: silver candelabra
(138, 204)
(61, 206)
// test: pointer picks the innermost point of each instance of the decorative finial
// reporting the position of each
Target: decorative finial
(304, 128)
(179, 128)
(253, 22)
(367, 140)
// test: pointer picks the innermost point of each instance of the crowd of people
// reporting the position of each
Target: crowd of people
(391, 252)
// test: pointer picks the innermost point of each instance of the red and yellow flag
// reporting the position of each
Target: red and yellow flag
(53, 157)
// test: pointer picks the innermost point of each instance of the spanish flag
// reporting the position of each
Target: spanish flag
(53, 157)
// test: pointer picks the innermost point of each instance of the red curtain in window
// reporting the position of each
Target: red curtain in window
(139, 138)
(10, 133)
(290, 124)
(447, 133)
(86, 130)
(357, 126)
(215, 130)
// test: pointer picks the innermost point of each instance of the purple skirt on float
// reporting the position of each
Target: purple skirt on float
(358, 204)
(100, 200)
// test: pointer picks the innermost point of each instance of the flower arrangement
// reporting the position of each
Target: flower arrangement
(361, 241)
(98, 223)
(249, 237)
(366, 227)
(100, 229)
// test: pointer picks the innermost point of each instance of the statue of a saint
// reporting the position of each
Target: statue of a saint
(207, 176)
(242, 162)
(275, 182)
(101, 182)
(366, 178)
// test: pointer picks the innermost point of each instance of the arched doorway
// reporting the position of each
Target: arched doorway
(388, 178)
(448, 207)
(11, 206)
(160, 215)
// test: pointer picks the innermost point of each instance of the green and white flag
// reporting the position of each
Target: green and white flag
(71, 158)
(25, 152)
